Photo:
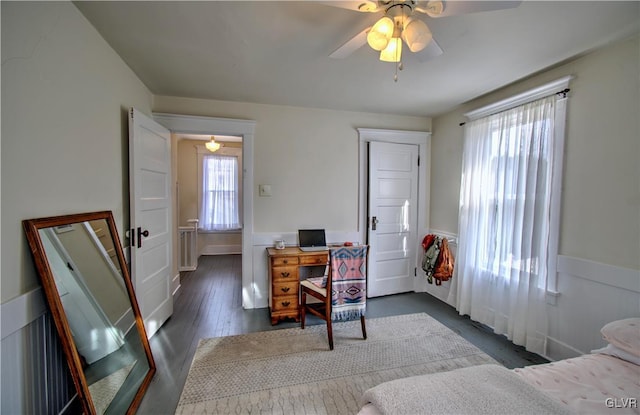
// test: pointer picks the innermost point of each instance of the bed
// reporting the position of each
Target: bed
(605, 381)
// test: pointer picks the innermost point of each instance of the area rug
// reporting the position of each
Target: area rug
(103, 391)
(292, 371)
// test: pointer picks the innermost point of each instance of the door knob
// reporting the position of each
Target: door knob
(374, 223)
(141, 233)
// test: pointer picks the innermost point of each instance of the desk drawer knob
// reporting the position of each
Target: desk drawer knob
(284, 274)
(285, 261)
(285, 289)
(286, 303)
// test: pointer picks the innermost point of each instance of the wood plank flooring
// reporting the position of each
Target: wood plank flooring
(209, 304)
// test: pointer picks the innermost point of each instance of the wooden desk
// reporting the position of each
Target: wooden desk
(285, 268)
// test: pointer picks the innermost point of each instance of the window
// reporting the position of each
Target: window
(220, 204)
(518, 191)
(509, 211)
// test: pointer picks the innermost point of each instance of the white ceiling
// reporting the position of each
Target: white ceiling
(277, 52)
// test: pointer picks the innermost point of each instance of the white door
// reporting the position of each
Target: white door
(393, 196)
(150, 234)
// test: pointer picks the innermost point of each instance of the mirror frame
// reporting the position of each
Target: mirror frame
(32, 227)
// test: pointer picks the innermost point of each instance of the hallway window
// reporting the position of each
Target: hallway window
(220, 210)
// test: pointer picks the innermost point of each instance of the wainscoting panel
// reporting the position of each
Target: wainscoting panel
(35, 376)
(591, 295)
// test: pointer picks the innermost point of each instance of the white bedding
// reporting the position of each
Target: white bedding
(589, 384)
(605, 381)
(483, 389)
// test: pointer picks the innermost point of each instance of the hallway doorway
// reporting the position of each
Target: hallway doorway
(190, 124)
(209, 195)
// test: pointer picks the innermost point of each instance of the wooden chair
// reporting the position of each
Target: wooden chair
(342, 292)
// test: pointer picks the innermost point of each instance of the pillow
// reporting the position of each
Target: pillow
(624, 334)
(612, 350)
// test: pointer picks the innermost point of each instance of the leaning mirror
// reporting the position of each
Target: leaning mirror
(87, 286)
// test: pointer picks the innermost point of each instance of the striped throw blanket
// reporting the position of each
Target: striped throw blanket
(348, 282)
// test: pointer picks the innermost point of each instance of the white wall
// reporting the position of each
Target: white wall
(65, 94)
(600, 219)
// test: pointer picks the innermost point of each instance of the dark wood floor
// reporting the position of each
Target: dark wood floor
(209, 304)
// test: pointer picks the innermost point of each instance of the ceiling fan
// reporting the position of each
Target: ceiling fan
(401, 21)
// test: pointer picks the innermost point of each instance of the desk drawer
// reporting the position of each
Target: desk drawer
(282, 274)
(285, 260)
(282, 303)
(285, 288)
(320, 259)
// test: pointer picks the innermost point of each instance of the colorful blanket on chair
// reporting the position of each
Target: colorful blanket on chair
(348, 282)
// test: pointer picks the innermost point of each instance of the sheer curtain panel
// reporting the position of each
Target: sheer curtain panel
(504, 224)
(220, 187)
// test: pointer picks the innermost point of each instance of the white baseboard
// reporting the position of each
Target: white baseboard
(221, 250)
(557, 350)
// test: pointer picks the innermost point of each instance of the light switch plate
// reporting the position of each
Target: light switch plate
(264, 190)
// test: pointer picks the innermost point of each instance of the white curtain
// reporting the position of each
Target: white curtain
(220, 208)
(504, 222)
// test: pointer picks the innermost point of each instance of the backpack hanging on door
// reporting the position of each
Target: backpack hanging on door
(444, 266)
(431, 245)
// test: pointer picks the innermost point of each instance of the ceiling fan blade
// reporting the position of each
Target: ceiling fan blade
(431, 51)
(455, 7)
(358, 5)
(352, 45)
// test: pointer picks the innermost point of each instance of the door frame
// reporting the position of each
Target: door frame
(193, 124)
(420, 138)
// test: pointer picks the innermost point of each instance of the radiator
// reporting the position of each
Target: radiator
(188, 246)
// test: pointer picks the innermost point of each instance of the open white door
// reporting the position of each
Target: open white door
(393, 197)
(150, 234)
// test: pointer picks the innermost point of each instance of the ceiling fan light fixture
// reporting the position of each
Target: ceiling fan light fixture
(393, 51)
(416, 34)
(212, 146)
(380, 34)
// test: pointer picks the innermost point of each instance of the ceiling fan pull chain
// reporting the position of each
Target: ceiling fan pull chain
(399, 66)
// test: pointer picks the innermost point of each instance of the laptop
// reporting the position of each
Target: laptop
(311, 240)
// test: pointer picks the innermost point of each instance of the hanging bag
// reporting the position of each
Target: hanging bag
(431, 245)
(444, 266)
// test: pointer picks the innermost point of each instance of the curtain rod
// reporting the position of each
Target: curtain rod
(563, 92)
